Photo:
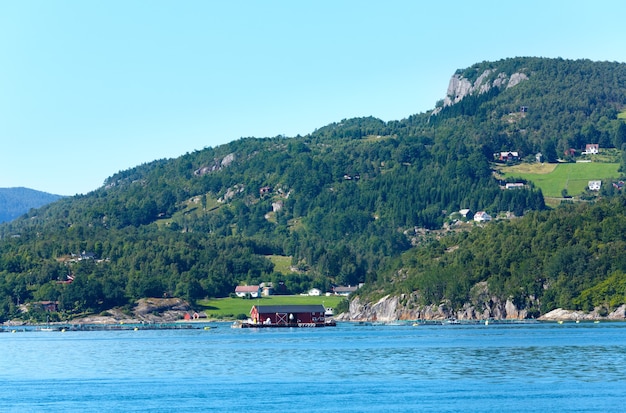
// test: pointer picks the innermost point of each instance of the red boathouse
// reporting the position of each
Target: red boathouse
(288, 315)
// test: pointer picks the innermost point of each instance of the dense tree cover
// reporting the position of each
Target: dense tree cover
(339, 201)
(138, 264)
(580, 106)
(571, 257)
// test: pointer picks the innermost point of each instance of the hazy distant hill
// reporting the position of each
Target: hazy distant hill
(17, 201)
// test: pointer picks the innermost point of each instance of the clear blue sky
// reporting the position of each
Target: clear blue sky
(89, 88)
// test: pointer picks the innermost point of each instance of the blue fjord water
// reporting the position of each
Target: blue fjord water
(348, 368)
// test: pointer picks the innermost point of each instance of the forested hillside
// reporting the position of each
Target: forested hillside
(571, 257)
(346, 202)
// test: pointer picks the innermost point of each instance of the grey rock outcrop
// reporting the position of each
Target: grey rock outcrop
(384, 309)
(561, 314)
(516, 79)
(460, 87)
(392, 308)
(618, 314)
(151, 310)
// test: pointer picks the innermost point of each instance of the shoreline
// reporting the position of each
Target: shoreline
(116, 320)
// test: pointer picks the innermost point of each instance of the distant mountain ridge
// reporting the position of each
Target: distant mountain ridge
(18, 201)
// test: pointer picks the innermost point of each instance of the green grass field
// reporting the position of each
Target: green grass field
(230, 308)
(571, 176)
(282, 264)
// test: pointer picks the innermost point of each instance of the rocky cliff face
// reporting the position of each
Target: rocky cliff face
(459, 86)
(390, 308)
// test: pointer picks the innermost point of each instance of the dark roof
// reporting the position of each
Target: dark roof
(271, 309)
(345, 289)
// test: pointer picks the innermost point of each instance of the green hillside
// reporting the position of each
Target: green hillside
(346, 203)
(571, 257)
(573, 177)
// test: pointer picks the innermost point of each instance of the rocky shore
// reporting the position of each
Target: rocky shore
(560, 314)
(387, 309)
(394, 308)
(146, 310)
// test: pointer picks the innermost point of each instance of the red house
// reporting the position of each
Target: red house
(288, 315)
(509, 156)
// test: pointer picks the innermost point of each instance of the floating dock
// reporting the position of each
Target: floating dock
(247, 324)
(107, 327)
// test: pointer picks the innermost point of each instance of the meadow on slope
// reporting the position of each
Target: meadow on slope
(553, 178)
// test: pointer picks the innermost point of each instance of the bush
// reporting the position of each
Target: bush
(342, 307)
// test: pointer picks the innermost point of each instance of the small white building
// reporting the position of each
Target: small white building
(315, 292)
(267, 289)
(252, 291)
(482, 216)
(594, 185)
(592, 148)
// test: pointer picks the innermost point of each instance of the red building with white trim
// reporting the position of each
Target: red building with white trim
(288, 315)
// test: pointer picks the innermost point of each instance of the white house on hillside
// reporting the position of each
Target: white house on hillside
(595, 185)
(592, 148)
(482, 216)
(252, 291)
